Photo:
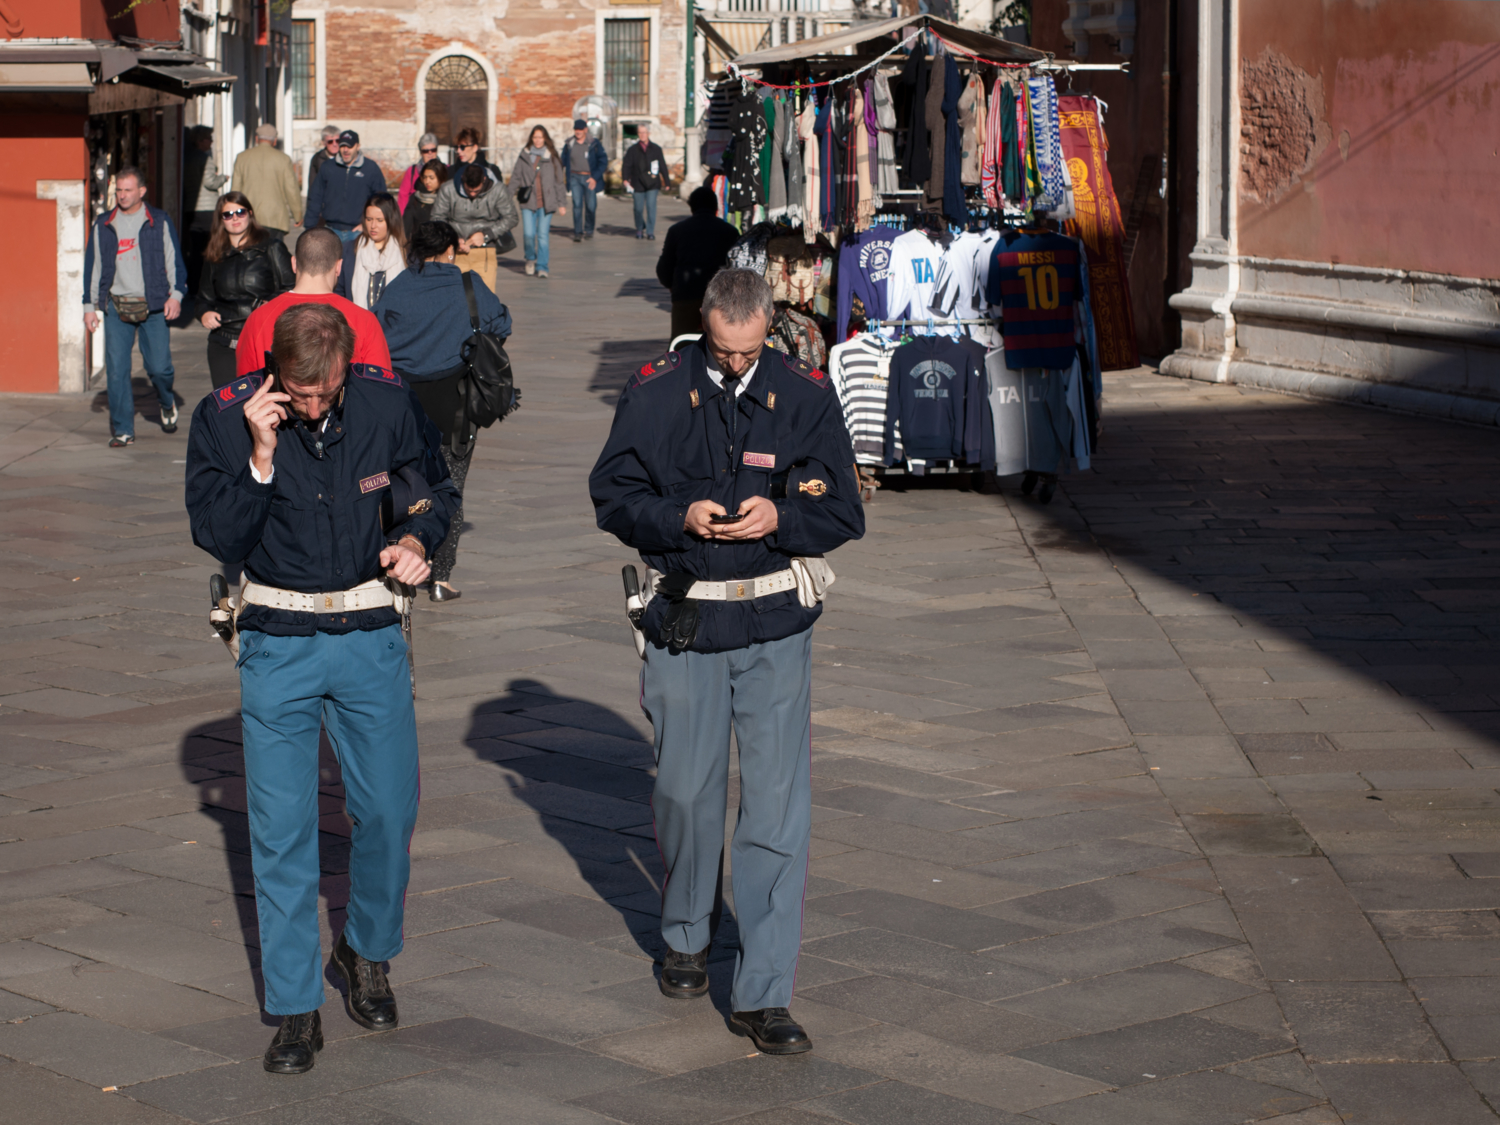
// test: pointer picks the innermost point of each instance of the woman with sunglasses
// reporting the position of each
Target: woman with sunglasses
(243, 268)
(427, 150)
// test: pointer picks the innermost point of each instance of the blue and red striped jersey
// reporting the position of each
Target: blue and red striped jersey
(1034, 280)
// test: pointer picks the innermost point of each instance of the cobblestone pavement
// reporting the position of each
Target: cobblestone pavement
(1173, 802)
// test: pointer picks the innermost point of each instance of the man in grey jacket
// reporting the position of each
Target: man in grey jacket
(482, 211)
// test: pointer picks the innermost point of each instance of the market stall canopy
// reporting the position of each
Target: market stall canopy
(76, 65)
(988, 46)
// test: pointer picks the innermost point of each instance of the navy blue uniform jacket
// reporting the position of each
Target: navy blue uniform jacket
(672, 444)
(316, 526)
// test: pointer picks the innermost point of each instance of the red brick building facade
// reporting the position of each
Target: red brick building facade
(397, 69)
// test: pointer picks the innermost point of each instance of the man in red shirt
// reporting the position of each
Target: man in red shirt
(319, 257)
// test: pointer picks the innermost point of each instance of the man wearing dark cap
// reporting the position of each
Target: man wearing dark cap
(344, 184)
(586, 161)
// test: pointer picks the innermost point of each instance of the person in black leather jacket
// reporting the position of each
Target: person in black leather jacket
(243, 268)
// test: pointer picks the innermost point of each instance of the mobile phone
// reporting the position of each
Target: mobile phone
(726, 518)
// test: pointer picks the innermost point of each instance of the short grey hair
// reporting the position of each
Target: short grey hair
(427, 139)
(739, 295)
(330, 131)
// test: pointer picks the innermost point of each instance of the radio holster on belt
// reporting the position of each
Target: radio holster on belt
(224, 614)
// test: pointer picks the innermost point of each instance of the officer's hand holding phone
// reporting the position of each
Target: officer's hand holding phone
(263, 414)
(756, 519)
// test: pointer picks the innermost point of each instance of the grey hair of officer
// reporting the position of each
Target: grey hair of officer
(738, 296)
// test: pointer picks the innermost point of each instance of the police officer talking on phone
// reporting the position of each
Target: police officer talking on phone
(730, 470)
(288, 472)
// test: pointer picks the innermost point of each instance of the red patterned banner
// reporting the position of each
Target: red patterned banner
(1103, 231)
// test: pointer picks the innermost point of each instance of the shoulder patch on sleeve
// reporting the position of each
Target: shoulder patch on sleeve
(376, 374)
(806, 370)
(239, 390)
(648, 371)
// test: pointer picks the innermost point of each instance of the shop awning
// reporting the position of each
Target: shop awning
(45, 78)
(78, 65)
(179, 78)
(989, 46)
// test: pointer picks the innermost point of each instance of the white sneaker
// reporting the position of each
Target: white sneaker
(169, 419)
(542, 273)
(530, 268)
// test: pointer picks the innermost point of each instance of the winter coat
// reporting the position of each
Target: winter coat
(695, 249)
(266, 176)
(425, 317)
(598, 159)
(493, 212)
(340, 192)
(157, 232)
(415, 213)
(244, 279)
(635, 168)
(545, 178)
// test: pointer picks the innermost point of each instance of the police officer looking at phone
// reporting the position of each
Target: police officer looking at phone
(730, 470)
(289, 473)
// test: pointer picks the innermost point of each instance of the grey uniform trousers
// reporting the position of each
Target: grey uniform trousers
(692, 699)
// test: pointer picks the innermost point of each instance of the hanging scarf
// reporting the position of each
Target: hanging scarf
(1012, 175)
(1100, 227)
(374, 269)
(1047, 144)
(811, 188)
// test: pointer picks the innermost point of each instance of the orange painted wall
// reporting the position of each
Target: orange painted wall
(33, 147)
(1410, 175)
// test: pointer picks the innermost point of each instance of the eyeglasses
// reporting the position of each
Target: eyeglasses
(237, 213)
(462, 147)
(427, 151)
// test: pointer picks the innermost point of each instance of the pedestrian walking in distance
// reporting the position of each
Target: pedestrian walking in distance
(538, 175)
(344, 184)
(244, 267)
(694, 250)
(586, 163)
(282, 473)
(267, 176)
(329, 150)
(425, 315)
(479, 206)
(427, 150)
(133, 270)
(467, 147)
(201, 184)
(729, 469)
(644, 170)
(372, 260)
(418, 208)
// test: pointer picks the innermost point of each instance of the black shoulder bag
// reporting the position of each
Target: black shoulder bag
(487, 391)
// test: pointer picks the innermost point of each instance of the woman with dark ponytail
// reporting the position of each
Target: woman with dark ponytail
(425, 316)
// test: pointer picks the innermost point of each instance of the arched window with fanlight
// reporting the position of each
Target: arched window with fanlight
(457, 97)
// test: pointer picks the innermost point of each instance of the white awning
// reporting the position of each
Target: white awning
(45, 78)
(989, 46)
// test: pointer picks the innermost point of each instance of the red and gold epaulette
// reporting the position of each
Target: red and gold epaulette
(807, 371)
(239, 390)
(376, 374)
(648, 371)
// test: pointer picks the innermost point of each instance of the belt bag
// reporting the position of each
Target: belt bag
(132, 310)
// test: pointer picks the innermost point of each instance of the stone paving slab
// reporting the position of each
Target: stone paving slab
(1174, 801)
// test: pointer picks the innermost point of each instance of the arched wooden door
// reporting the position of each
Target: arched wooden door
(457, 96)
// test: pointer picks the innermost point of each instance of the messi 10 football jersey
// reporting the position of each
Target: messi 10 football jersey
(1034, 280)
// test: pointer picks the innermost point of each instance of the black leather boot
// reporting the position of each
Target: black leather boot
(296, 1046)
(774, 1031)
(684, 975)
(371, 1002)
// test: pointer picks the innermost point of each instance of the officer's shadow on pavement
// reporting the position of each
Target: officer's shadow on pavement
(589, 780)
(616, 361)
(215, 746)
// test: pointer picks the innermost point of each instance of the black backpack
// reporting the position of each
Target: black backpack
(488, 389)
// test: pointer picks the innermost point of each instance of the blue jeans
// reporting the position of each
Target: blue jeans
(346, 235)
(156, 354)
(355, 686)
(764, 693)
(585, 202)
(645, 210)
(536, 226)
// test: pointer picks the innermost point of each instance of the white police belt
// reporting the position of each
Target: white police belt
(809, 577)
(374, 594)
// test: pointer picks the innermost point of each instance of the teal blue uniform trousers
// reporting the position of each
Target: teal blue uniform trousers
(357, 686)
(764, 691)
